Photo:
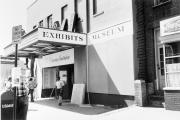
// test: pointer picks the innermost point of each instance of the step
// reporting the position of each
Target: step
(156, 100)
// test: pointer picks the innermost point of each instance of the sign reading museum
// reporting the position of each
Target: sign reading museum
(116, 31)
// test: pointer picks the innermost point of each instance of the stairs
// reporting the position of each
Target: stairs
(156, 99)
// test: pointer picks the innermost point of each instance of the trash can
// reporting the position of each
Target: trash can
(7, 105)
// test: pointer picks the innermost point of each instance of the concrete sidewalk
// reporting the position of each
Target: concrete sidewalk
(48, 109)
(40, 111)
(140, 113)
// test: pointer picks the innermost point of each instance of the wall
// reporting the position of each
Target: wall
(111, 13)
(139, 43)
(153, 15)
(41, 9)
(110, 53)
(80, 65)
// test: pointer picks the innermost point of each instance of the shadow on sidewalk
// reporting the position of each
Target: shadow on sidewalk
(83, 109)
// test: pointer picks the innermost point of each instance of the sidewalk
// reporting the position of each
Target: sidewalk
(140, 113)
(48, 109)
(42, 111)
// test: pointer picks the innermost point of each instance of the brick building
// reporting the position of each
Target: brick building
(150, 49)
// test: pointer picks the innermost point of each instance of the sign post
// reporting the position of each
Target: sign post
(16, 37)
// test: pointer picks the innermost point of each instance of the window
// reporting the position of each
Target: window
(64, 12)
(97, 7)
(158, 2)
(94, 7)
(49, 22)
(41, 23)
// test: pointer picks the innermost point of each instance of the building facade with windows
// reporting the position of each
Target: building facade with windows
(90, 42)
(152, 65)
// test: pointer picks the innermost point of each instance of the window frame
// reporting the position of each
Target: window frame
(49, 21)
(96, 12)
(63, 12)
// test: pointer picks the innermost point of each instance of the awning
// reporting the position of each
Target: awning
(170, 38)
(43, 41)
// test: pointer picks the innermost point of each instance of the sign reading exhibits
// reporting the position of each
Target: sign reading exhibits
(61, 36)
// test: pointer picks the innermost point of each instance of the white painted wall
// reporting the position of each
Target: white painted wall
(111, 57)
(113, 12)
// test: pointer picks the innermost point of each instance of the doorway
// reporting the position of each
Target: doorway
(66, 73)
(160, 73)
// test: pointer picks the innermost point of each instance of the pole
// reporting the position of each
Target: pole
(16, 55)
(15, 89)
(15, 103)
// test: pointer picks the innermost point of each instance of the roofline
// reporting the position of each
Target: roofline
(32, 4)
(8, 45)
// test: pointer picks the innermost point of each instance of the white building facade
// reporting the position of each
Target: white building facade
(87, 42)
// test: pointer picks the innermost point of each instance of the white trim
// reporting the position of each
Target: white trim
(156, 44)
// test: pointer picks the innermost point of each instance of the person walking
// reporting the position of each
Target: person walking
(31, 86)
(59, 87)
(8, 84)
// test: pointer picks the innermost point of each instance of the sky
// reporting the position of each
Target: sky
(12, 13)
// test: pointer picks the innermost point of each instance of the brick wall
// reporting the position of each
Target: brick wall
(140, 37)
(148, 18)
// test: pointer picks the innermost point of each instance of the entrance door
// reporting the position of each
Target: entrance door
(160, 67)
(160, 83)
(66, 73)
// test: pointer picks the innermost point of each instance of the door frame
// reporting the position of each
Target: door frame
(157, 60)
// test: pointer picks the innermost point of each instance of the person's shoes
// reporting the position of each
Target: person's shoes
(60, 104)
(32, 100)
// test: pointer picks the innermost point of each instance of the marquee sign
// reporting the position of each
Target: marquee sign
(170, 26)
(61, 36)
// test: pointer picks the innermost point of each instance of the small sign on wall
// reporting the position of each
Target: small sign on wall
(170, 26)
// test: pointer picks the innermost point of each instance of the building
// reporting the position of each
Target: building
(90, 42)
(150, 46)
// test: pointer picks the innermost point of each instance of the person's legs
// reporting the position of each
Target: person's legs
(60, 97)
(31, 92)
(22, 107)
